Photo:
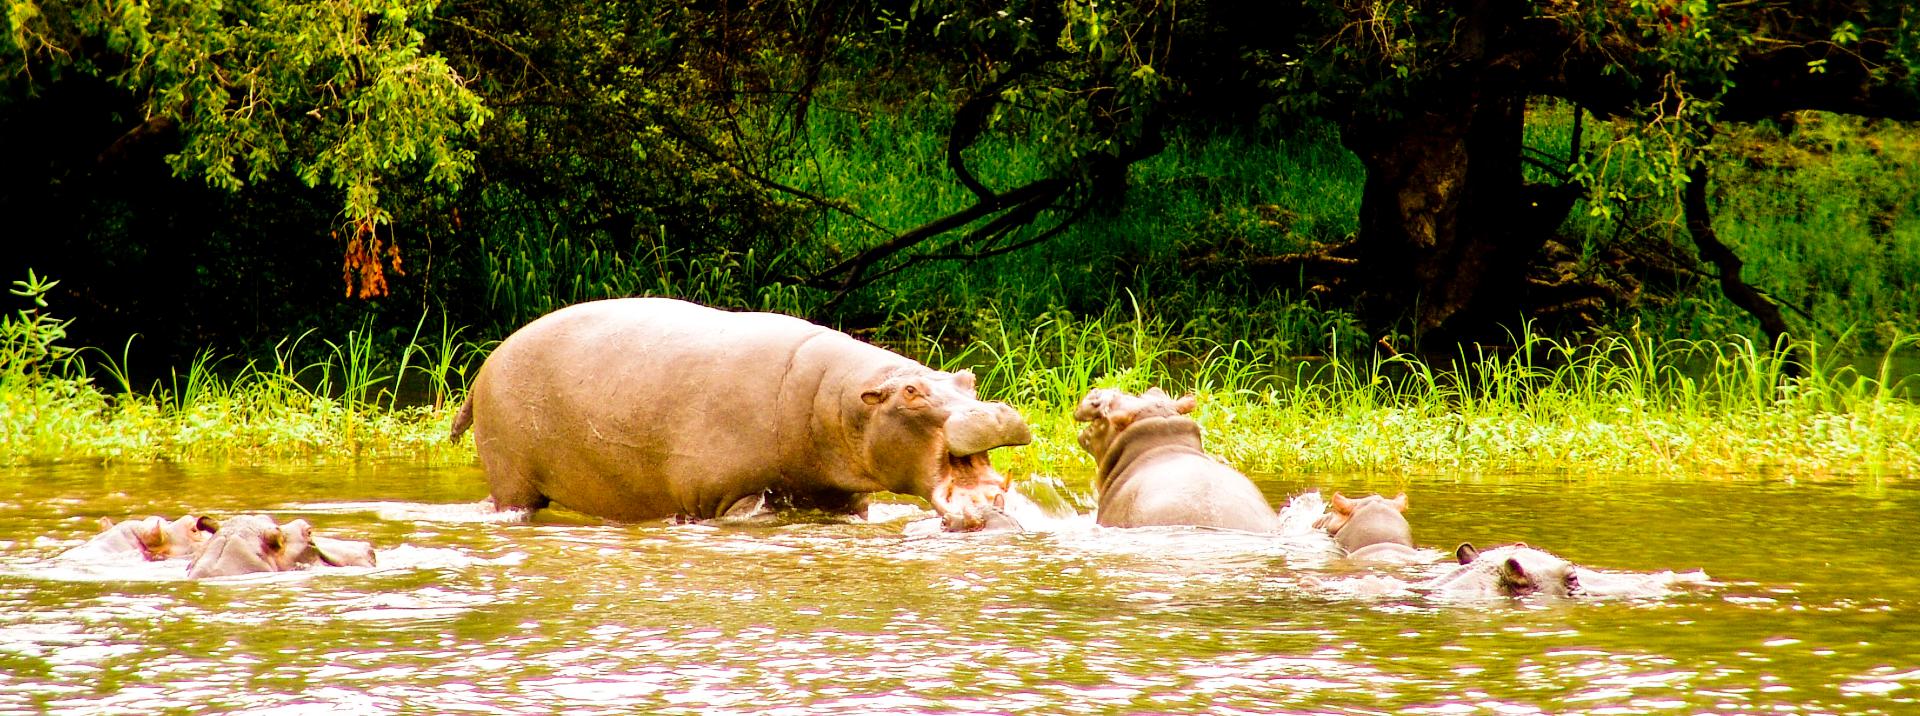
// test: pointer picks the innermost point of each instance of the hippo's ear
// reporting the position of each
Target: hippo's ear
(1156, 392)
(1186, 404)
(206, 524)
(152, 533)
(1466, 553)
(1341, 504)
(1515, 577)
(880, 393)
(1399, 503)
(963, 379)
(106, 523)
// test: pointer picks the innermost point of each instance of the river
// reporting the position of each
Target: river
(1812, 608)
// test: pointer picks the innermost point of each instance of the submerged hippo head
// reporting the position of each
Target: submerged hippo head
(253, 543)
(152, 538)
(1366, 523)
(1517, 570)
(928, 433)
(1108, 412)
(1371, 507)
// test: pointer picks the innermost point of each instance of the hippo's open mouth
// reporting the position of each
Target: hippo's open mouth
(969, 494)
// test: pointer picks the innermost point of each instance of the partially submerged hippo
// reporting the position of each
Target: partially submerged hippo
(1514, 570)
(1152, 471)
(254, 543)
(149, 538)
(1370, 529)
(644, 408)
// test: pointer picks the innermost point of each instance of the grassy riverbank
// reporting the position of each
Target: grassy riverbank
(1620, 405)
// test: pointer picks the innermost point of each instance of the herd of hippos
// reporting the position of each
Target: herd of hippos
(651, 408)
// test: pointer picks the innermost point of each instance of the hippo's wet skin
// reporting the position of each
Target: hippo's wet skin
(648, 408)
(150, 538)
(1370, 529)
(254, 543)
(1152, 471)
(1514, 570)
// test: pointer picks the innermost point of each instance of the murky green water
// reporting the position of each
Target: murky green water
(1815, 612)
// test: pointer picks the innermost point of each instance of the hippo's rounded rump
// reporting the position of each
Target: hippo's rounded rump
(644, 408)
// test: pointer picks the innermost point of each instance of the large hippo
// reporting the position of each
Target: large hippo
(254, 543)
(149, 538)
(1152, 472)
(1370, 529)
(1514, 570)
(643, 408)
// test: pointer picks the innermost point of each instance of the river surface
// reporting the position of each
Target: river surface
(1814, 607)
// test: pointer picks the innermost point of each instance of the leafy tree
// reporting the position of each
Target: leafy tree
(1432, 98)
(340, 93)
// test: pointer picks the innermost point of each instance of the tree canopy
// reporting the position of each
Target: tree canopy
(496, 118)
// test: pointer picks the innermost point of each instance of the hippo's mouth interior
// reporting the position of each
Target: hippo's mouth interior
(967, 489)
(971, 472)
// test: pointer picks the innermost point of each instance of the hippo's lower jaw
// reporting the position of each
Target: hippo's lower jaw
(970, 495)
(991, 520)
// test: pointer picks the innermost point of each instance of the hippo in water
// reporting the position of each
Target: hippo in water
(645, 408)
(1152, 472)
(1514, 570)
(150, 539)
(1370, 529)
(254, 543)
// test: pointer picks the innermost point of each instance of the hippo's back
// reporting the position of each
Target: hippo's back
(1185, 488)
(638, 408)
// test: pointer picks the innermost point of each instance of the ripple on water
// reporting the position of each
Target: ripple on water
(826, 617)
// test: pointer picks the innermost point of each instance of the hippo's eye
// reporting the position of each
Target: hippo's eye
(1573, 583)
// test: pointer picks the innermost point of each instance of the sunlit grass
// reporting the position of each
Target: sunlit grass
(1620, 405)
(345, 406)
(1626, 404)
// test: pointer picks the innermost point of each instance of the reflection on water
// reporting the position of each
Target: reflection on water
(1813, 612)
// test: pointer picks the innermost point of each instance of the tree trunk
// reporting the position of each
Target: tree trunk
(1448, 228)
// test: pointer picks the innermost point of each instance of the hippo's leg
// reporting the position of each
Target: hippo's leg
(510, 485)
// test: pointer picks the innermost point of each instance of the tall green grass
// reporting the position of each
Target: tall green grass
(1633, 403)
(346, 404)
(1621, 404)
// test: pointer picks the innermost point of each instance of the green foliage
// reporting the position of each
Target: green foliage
(29, 339)
(340, 94)
(345, 405)
(1631, 404)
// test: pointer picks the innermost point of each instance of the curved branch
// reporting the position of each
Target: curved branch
(970, 121)
(688, 139)
(848, 271)
(1700, 226)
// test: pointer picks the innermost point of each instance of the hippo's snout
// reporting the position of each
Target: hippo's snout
(984, 426)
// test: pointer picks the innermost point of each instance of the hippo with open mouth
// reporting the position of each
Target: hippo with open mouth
(646, 408)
